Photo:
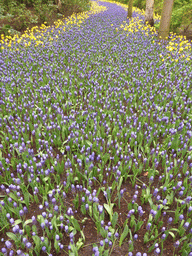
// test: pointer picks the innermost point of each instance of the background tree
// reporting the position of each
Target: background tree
(130, 9)
(165, 19)
(58, 2)
(149, 12)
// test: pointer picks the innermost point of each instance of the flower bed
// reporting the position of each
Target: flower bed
(95, 138)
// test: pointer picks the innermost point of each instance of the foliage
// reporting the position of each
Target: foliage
(20, 14)
(44, 11)
(77, 6)
(181, 15)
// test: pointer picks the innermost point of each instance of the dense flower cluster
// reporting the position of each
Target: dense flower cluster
(95, 132)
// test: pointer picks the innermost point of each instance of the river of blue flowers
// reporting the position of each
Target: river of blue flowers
(96, 138)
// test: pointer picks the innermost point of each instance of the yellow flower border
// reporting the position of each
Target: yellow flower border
(37, 34)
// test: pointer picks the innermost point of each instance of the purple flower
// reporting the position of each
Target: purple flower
(68, 148)
(109, 234)
(44, 248)
(16, 229)
(186, 225)
(148, 226)
(100, 208)
(4, 250)
(116, 235)
(163, 236)
(157, 251)
(176, 244)
(179, 184)
(69, 211)
(57, 237)
(181, 217)
(8, 244)
(42, 225)
(151, 179)
(28, 245)
(156, 190)
(66, 228)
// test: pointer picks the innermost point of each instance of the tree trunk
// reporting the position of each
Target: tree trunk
(130, 7)
(149, 12)
(58, 3)
(165, 19)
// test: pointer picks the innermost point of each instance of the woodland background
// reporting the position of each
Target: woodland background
(18, 15)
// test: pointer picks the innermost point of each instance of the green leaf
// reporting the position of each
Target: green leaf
(46, 179)
(26, 195)
(88, 143)
(160, 224)
(95, 212)
(27, 222)
(83, 210)
(12, 236)
(75, 223)
(120, 183)
(123, 235)
(146, 238)
(76, 201)
(90, 210)
(114, 219)
(17, 222)
(40, 218)
(106, 253)
(37, 242)
(79, 243)
(14, 197)
(152, 247)
(82, 234)
(14, 211)
(172, 234)
(138, 226)
(183, 238)
(114, 185)
(28, 230)
(132, 222)
(57, 248)
(109, 209)
(103, 232)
